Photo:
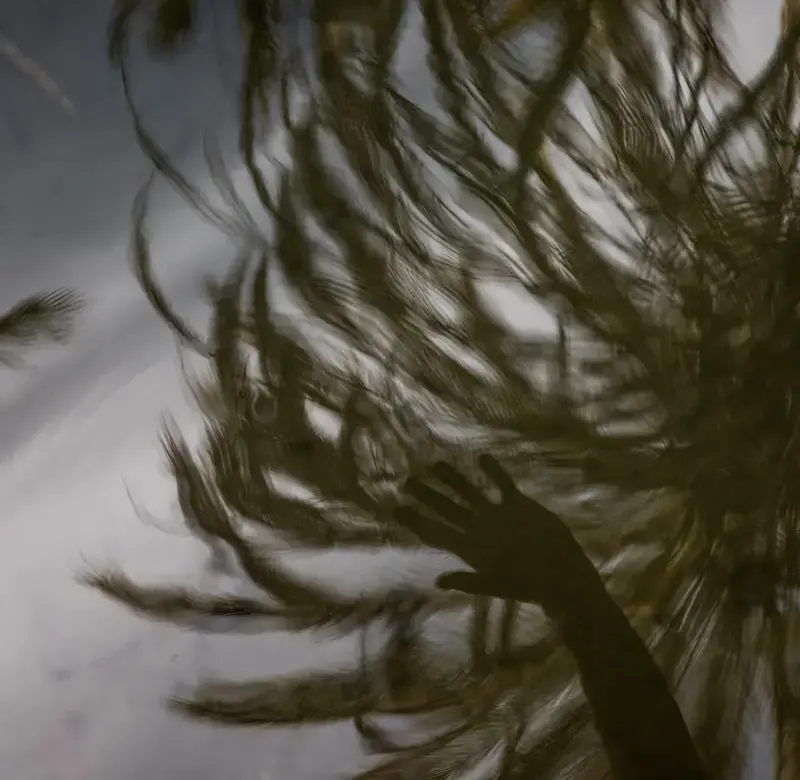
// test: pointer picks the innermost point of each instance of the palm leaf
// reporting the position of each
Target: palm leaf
(633, 190)
(48, 317)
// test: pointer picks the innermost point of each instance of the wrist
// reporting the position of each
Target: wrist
(581, 594)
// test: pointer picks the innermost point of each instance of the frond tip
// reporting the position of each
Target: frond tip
(48, 317)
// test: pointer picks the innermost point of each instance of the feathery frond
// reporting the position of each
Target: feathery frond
(48, 317)
(630, 187)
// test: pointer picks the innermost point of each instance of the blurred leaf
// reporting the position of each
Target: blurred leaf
(638, 201)
(48, 317)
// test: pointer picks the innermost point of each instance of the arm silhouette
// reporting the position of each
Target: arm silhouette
(520, 550)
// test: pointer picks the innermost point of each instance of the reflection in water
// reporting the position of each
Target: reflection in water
(81, 684)
(368, 326)
(37, 319)
(10, 51)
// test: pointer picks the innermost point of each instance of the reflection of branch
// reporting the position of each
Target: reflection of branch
(30, 68)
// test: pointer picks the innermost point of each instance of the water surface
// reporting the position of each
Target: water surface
(81, 681)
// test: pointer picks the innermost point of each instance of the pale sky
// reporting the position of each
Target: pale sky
(81, 681)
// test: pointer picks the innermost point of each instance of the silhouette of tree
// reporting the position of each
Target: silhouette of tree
(647, 199)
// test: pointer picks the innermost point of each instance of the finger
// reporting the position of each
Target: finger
(472, 583)
(498, 475)
(477, 585)
(429, 531)
(457, 482)
(455, 514)
(464, 581)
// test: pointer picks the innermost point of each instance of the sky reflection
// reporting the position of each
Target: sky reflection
(81, 682)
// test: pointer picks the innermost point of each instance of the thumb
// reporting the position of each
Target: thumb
(465, 581)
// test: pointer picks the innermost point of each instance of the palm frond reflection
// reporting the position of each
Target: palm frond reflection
(610, 188)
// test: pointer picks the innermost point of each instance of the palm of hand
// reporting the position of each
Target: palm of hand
(518, 548)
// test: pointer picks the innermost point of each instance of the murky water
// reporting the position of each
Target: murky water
(81, 681)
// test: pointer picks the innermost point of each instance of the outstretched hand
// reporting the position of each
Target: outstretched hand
(518, 549)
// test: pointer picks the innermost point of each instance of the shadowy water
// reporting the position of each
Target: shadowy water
(82, 682)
